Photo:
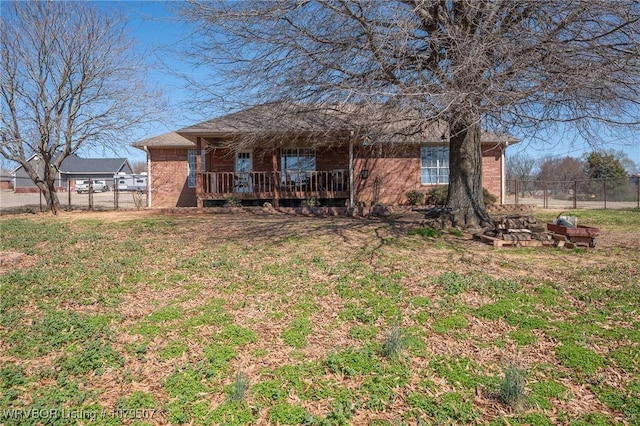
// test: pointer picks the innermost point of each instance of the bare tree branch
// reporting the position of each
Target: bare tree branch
(69, 79)
(506, 64)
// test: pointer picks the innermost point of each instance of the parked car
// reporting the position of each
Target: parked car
(96, 186)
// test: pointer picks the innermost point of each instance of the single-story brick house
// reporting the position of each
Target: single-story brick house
(74, 168)
(297, 158)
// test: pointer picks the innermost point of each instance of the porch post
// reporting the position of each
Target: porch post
(351, 180)
(199, 172)
(276, 181)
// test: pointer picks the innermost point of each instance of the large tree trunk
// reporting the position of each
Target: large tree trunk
(465, 197)
(51, 196)
(46, 184)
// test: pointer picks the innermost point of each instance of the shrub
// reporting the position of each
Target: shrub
(233, 201)
(438, 195)
(488, 197)
(414, 197)
(310, 201)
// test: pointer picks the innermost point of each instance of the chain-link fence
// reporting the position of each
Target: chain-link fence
(587, 193)
(18, 196)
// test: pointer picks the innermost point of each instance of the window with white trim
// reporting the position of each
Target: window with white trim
(191, 166)
(296, 162)
(434, 162)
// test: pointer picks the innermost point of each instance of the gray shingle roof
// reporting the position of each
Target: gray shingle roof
(75, 164)
(168, 140)
(392, 124)
(285, 121)
(274, 117)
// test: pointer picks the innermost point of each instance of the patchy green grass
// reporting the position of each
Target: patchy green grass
(579, 359)
(244, 319)
(295, 335)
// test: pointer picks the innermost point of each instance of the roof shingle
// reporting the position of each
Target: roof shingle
(168, 140)
(75, 164)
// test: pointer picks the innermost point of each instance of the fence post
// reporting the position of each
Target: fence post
(516, 188)
(575, 194)
(69, 194)
(604, 192)
(40, 191)
(90, 193)
(545, 200)
(115, 194)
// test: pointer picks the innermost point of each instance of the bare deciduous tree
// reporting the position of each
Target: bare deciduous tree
(561, 169)
(501, 65)
(139, 167)
(561, 173)
(521, 167)
(630, 166)
(69, 78)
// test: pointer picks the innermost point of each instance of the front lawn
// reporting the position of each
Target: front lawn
(139, 318)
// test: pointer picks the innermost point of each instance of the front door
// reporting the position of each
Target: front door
(244, 167)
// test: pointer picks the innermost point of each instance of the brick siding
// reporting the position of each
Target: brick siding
(392, 172)
(169, 173)
(492, 170)
(395, 171)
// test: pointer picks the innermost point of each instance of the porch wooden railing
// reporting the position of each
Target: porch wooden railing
(294, 184)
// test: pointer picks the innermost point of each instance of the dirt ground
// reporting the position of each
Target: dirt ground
(400, 221)
(282, 224)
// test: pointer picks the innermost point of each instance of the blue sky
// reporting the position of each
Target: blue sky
(153, 26)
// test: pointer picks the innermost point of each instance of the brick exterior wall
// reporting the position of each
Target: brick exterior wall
(169, 173)
(392, 171)
(492, 170)
(395, 171)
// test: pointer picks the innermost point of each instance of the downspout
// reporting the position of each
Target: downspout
(149, 192)
(351, 180)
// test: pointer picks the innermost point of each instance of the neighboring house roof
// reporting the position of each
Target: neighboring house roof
(167, 140)
(279, 122)
(74, 164)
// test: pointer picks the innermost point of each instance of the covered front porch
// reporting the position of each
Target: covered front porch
(283, 175)
(274, 186)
